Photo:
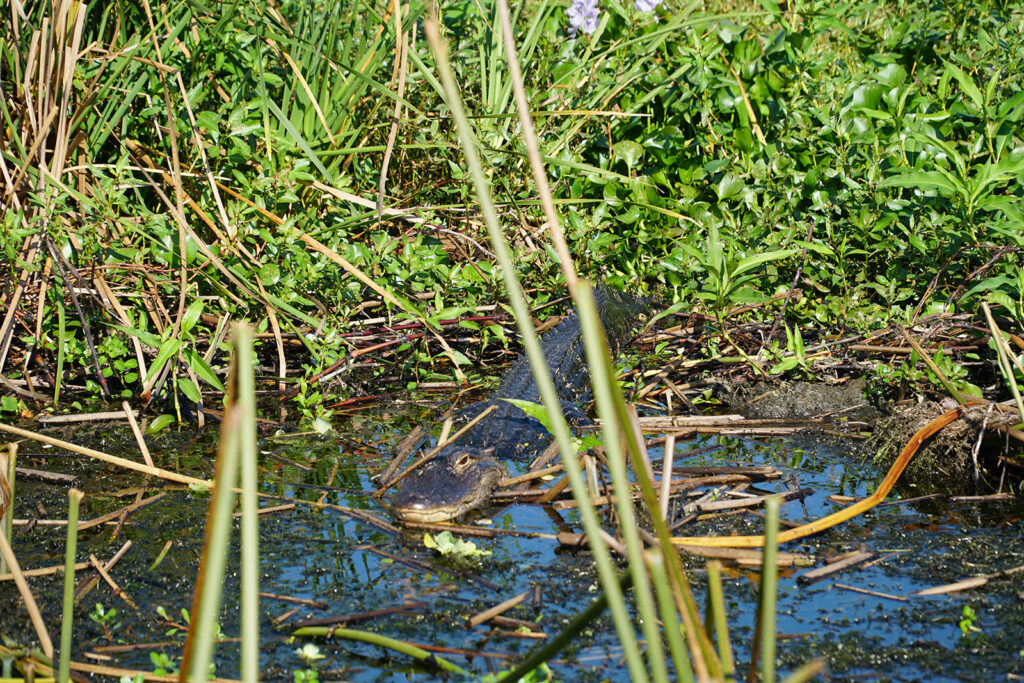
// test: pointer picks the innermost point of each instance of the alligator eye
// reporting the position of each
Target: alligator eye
(463, 461)
(642, 317)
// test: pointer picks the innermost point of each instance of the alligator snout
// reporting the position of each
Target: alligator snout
(455, 481)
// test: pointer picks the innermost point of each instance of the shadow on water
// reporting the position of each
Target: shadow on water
(348, 568)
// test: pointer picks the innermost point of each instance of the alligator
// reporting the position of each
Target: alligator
(462, 475)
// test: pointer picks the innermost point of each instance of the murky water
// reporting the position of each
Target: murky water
(349, 568)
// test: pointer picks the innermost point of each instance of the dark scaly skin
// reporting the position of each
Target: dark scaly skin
(462, 476)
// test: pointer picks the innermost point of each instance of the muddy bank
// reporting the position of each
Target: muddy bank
(834, 403)
(970, 455)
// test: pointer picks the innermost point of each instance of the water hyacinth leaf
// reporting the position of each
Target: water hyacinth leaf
(729, 186)
(629, 216)
(866, 96)
(270, 274)
(629, 152)
(892, 75)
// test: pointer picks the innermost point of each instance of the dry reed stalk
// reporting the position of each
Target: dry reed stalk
(121, 315)
(117, 672)
(138, 435)
(118, 591)
(90, 583)
(864, 591)
(83, 417)
(666, 475)
(110, 459)
(126, 510)
(530, 476)
(500, 608)
(838, 565)
(44, 571)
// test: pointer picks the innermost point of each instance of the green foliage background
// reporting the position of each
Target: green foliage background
(709, 153)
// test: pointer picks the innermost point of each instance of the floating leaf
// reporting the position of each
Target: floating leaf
(447, 544)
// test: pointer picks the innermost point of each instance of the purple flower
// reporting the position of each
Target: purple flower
(646, 5)
(583, 16)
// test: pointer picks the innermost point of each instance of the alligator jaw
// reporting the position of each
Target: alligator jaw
(455, 481)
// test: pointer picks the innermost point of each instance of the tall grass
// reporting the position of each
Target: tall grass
(671, 587)
(237, 450)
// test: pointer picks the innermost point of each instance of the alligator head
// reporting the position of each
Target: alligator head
(453, 482)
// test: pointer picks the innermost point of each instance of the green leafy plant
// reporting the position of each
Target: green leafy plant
(797, 357)
(730, 279)
(106, 619)
(309, 653)
(968, 622)
(540, 413)
(163, 665)
(447, 544)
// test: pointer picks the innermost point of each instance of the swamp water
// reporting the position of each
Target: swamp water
(350, 567)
